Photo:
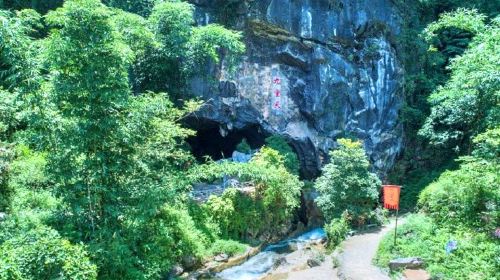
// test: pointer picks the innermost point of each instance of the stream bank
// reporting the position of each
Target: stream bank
(275, 255)
(258, 262)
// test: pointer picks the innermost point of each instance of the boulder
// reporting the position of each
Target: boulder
(313, 262)
(3, 216)
(411, 263)
(189, 262)
(241, 157)
(279, 262)
(221, 257)
(176, 271)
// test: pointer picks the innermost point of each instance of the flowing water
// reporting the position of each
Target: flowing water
(260, 264)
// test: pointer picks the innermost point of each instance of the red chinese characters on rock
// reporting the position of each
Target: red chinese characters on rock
(276, 94)
(277, 105)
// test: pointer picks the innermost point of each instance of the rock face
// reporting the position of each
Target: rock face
(411, 263)
(314, 71)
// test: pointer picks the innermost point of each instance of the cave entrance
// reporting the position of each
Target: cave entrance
(208, 140)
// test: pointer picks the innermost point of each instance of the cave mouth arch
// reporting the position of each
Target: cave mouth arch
(208, 140)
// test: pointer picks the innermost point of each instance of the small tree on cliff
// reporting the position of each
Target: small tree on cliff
(347, 184)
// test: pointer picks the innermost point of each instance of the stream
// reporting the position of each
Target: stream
(258, 265)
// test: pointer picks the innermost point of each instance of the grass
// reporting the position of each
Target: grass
(229, 247)
(476, 258)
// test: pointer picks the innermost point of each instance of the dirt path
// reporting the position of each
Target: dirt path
(355, 261)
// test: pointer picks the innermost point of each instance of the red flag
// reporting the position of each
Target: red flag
(391, 196)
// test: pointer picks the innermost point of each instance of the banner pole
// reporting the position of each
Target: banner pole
(396, 227)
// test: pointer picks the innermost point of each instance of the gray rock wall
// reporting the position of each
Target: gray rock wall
(314, 71)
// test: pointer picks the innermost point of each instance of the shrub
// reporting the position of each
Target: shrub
(28, 169)
(244, 147)
(379, 216)
(291, 160)
(487, 144)
(346, 184)
(336, 231)
(43, 254)
(229, 247)
(173, 235)
(236, 213)
(271, 204)
(9, 272)
(468, 197)
(203, 221)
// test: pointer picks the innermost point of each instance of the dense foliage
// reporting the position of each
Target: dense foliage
(337, 230)
(462, 205)
(279, 144)
(347, 185)
(95, 172)
(476, 256)
(266, 205)
(469, 101)
(93, 176)
(422, 162)
(43, 254)
(180, 49)
(468, 197)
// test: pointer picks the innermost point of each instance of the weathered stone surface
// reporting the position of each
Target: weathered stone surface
(189, 262)
(201, 192)
(339, 75)
(221, 258)
(241, 157)
(312, 211)
(176, 271)
(412, 262)
(312, 262)
(416, 274)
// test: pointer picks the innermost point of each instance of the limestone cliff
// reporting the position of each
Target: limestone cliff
(314, 71)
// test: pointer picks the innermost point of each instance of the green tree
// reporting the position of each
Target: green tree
(114, 158)
(425, 71)
(346, 184)
(181, 49)
(141, 7)
(90, 92)
(469, 102)
(41, 6)
(487, 145)
(18, 64)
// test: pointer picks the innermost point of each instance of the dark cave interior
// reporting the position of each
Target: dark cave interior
(209, 142)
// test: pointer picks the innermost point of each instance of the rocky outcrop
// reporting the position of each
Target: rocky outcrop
(312, 212)
(412, 263)
(314, 71)
(201, 192)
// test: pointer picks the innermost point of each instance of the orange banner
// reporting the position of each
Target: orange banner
(391, 196)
